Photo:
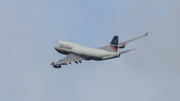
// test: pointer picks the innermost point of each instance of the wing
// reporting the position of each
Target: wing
(68, 59)
(122, 44)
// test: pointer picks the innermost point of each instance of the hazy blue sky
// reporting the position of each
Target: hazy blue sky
(29, 30)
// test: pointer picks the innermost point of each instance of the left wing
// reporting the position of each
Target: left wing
(122, 44)
(66, 60)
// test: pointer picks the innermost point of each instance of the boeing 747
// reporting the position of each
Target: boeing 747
(77, 53)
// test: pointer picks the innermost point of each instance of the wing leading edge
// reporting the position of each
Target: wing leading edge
(68, 59)
(122, 44)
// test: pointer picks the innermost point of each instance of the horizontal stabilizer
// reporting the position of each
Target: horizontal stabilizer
(126, 51)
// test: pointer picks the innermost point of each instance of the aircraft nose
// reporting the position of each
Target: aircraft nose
(56, 46)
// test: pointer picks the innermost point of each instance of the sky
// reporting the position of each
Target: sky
(29, 29)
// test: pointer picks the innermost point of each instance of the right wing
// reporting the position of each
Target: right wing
(122, 44)
(68, 59)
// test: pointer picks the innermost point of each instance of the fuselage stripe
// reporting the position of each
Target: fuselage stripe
(80, 54)
(62, 52)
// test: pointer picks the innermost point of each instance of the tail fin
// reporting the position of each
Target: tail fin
(113, 47)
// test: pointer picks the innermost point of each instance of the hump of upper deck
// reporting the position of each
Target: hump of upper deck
(69, 43)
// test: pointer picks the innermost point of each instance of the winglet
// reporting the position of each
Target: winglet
(52, 63)
(146, 34)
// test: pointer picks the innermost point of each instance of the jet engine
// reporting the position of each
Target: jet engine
(57, 66)
(122, 47)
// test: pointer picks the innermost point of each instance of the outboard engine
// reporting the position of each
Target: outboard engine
(57, 66)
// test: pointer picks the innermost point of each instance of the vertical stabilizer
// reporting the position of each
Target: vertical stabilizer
(113, 47)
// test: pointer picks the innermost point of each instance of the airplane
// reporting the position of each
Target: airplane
(77, 53)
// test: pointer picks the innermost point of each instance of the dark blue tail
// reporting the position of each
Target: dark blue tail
(113, 47)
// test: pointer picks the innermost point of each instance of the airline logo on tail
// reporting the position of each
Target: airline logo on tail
(113, 47)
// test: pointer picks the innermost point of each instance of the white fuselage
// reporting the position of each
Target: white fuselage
(85, 52)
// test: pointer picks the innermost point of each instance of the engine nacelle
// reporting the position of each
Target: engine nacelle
(122, 47)
(57, 66)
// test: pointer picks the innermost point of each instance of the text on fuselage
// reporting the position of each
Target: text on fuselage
(65, 46)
